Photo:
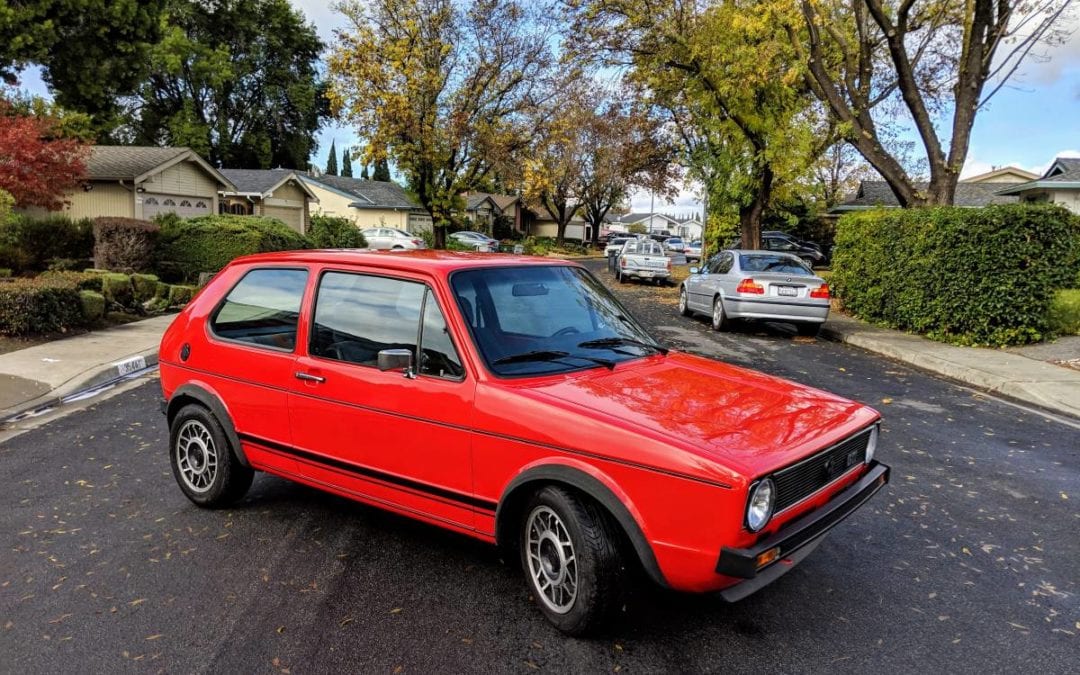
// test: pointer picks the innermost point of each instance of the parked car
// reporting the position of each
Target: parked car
(759, 285)
(675, 244)
(514, 400)
(785, 235)
(614, 246)
(693, 251)
(643, 259)
(477, 240)
(813, 256)
(391, 238)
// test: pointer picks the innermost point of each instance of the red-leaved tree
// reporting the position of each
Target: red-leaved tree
(37, 166)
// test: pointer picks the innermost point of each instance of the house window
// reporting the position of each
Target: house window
(168, 202)
(185, 204)
(238, 209)
(200, 204)
(150, 201)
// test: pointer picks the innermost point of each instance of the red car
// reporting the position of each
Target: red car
(512, 399)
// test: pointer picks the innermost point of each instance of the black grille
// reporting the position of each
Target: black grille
(810, 475)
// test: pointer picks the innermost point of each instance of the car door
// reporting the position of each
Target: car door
(395, 438)
(702, 287)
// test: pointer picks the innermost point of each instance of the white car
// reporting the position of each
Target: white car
(478, 240)
(391, 238)
(643, 259)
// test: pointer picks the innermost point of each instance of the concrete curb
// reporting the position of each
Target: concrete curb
(1047, 386)
(84, 382)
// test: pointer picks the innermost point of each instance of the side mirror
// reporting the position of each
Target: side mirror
(695, 270)
(396, 359)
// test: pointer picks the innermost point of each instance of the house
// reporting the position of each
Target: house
(368, 203)
(484, 208)
(275, 193)
(877, 194)
(658, 223)
(1006, 174)
(690, 228)
(141, 182)
(1059, 185)
(543, 225)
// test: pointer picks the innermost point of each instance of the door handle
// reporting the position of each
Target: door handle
(308, 377)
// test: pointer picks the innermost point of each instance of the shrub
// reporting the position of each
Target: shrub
(208, 243)
(124, 244)
(93, 306)
(32, 244)
(117, 288)
(145, 286)
(5, 272)
(39, 306)
(1064, 317)
(84, 281)
(333, 232)
(973, 276)
(180, 295)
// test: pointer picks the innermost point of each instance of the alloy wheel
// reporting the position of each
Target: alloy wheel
(552, 562)
(196, 456)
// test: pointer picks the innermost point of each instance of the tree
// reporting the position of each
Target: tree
(331, 161)
(870, 60)
(443, 88)
(363, 171)
(92, 51)
(346, 164)
(838, 172)
(551, 174)
(37, 165)
(381, 170)
(236, 81)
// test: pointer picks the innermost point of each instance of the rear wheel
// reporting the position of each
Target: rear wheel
(571, 560)
(620, 276)
(203, 463)
(720, 320)
(808, 329)
(684, 308)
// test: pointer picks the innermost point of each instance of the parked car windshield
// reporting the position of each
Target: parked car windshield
(643, 247)
(780, 264)
(538, 320)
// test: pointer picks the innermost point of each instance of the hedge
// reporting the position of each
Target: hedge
(39, 306)
(93, 306)
(971, 276)
(86, 281)
(335, 232)
(208, 243)
(124, 244)
(33, 244)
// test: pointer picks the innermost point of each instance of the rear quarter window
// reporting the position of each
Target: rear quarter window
(262, 309)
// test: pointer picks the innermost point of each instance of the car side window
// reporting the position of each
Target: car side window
(438, 357)
(262, 309)
(359, 315)
(724, 265)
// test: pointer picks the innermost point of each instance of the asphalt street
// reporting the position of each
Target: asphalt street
(969, 561)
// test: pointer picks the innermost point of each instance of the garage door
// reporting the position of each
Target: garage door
(293, 217)
(185, 207)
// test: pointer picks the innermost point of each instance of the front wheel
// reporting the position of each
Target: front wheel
(571, 560)
(202, 462)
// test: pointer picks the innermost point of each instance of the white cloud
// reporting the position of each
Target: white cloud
(323, 15)
(1046, 65)
(974, 166)
(687, 202)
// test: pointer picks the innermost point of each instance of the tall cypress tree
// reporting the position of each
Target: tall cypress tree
(346, 163)
(363, 171)
(382, 170)
(331, 162)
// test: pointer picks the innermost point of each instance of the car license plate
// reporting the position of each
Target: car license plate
(789, 291)
(646, 274)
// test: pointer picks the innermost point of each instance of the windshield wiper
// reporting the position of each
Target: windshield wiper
(550, 355)
(609, 342)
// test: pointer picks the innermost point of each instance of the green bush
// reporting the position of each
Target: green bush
(85, 281)
(117, 288)
(208, 243)
(1064, 317)
(5, 272)
(32, 244)
(180, 295)
(145, 286)
(93, 306)
(972, 276)
(39, 306)
(124, 244)
(333, 232)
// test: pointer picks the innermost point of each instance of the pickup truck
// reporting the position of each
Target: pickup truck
(643, 259)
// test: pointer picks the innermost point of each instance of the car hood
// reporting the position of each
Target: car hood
(743, 419)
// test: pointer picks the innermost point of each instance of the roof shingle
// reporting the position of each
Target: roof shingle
(118, 162)
(878, 193)
(369, 193)
(256, 180)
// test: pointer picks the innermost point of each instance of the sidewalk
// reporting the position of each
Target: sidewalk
(1030, 380)
(41, 376)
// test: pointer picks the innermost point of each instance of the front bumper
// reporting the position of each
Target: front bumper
(796, 539)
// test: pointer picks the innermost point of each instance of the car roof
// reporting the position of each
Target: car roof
(746, 251)
(430, 260)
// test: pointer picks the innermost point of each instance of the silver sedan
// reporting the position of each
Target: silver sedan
(759, 285)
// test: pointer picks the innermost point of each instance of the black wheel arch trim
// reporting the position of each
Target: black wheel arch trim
(191, 392)
(505, 522)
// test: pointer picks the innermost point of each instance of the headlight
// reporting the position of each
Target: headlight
(760, 506)
(871, 445)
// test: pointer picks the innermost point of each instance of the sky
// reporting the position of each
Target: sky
(1027, 124)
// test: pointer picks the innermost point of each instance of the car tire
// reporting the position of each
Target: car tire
(684, 306)
(808, 329)
(620, 276)
(577, 595)
(720, 320)
(203, 462)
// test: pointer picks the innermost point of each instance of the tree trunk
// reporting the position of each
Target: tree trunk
(750, 214)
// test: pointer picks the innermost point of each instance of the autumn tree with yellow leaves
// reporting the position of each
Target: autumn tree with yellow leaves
(443, 88)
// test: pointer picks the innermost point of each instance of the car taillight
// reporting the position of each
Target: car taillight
(821, 292)
(622, 262)
(417, 242)
(669, 264)
(748, 286)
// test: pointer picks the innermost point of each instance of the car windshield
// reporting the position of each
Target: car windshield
(539, 320)
(674, 240)
(643, 247)
(780, 264)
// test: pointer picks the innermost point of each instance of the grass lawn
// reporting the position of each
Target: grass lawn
(1065, 312)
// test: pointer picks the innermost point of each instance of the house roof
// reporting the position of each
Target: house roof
(474, 200)
(263, 182)
(1063, 173)
(369, 194)
(638, 217)
(136, 162)
(1003, 172)
(873, 193)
